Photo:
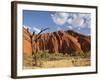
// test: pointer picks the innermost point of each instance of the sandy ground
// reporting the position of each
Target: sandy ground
(72, 62)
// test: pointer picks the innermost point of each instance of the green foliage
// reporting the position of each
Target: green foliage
(81, 54)
(56, 56)
(45, 55)
(41, 54)
(37, 58)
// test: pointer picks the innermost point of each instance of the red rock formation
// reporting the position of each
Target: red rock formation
(57, 42)
(85, 41)
(69, 43)
(27, 49)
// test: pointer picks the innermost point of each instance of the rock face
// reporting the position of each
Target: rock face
(84, 41)
(27, 49)
(57, 42)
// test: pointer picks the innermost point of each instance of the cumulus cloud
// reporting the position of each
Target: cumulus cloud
(60, 18)
(82, 21)
(76, 20)
(70, 20)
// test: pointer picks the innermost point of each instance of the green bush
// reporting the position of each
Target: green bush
(81, 54)
(45, 55)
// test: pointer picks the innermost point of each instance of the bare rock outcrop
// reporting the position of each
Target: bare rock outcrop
(56, 42)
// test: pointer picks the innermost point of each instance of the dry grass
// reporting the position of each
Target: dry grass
(68, 62)
(47, 60)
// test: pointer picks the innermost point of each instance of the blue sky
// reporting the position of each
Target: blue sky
(37, 20)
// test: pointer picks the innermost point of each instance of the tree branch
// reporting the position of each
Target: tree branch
(38, 35)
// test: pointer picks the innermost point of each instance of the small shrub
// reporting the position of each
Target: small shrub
(81, 54)
(45, 55)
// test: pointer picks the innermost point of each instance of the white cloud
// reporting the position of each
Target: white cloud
(60, 18)
(70, 20)
(87, 20)
(27, 27)
(36, 30)
(70, 27)
(78, 22)
(75, 20)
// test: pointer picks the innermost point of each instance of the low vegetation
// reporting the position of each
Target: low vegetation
(43, 59)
